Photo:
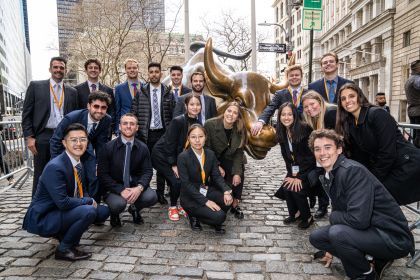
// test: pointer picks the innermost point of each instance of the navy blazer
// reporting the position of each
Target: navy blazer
(55, 193)
(111, 166)
(184, 90)
(209, 106)
(280, 97)
(96, 142)
(319, 87)
(123, 101)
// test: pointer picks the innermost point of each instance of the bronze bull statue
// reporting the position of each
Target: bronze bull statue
(251, 90)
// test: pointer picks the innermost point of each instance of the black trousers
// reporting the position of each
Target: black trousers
(297, 202)
(416, 132)
(42, 145)
(152, 138)
(117, 203)
(208, 216)
(323, 199)
(163, 168)
(236, 190)
(351, 245)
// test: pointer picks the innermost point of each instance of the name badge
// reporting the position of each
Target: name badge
(203, 190)
(295, 169)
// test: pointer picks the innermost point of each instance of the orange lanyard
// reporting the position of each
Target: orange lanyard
(79, 183)
(57, 103)
(298, 97)
(203, 173)
(327, 92)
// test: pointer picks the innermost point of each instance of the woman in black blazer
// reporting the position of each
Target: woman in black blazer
(318, 114)
(372, 138)
(169, 146)
(293, 136)
(205, 196)
(226, 138)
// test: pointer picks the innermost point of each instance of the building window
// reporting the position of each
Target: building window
(406, 38)
(298, 15)
(299, 54)
(299, 28)
(277, 14)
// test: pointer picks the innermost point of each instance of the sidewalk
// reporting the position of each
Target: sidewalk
(258, 247)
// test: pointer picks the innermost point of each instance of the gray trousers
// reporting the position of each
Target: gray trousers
(117, 203)
(351, 245)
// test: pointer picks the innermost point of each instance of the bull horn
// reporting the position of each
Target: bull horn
(292, 60)
(276, 87)
(214, 74)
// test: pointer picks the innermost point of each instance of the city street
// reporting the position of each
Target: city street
(258, 247)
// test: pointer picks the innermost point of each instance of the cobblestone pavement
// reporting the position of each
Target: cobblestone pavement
(258, 247)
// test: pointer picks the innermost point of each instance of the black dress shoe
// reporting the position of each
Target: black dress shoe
(290, 220)
(161, 199)
(219, 230)
(115, 220)
(321, 212)
(238, 212)
(380, 266)
(71, 254)
(137, 218)
(304, 224)
(195, 224)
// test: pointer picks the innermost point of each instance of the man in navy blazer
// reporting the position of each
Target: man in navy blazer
(127, 91)
(293, 94)
(176, 87)
(330, 84)
(46, 103)
(97, 122)
(93, 69)
(61, 207)
(208, 103)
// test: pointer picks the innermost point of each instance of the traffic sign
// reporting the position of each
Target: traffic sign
(312, 19)
(270, 47)
(312, 4)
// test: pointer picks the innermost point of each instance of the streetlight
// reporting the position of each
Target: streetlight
(286, 34)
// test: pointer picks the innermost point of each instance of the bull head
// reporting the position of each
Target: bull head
(251, 90)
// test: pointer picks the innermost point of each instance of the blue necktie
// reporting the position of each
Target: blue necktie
(176, 94)
(331, 91)
(92, 130)
(126, 177)
(156, 111)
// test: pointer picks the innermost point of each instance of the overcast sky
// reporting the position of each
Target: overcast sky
(44, 35)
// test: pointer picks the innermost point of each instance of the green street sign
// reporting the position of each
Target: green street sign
(312, 4)
(312, 19)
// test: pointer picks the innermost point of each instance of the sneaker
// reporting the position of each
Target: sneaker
(173, 213)
(181, 211)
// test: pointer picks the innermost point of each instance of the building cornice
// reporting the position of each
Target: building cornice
(336, 28)
(366, 68)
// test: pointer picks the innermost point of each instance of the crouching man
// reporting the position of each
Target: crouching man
(365, 219)
(61, 207)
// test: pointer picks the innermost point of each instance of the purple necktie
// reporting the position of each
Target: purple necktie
(93, 86)
(295, 97)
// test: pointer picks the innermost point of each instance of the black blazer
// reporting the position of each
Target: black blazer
(302, 157)
(111, 166)
(172, 143)
(210, 106)
(190, 174)
(319, 87)
(280, 97)
(83, 92)
(330, 117)
(37, 109)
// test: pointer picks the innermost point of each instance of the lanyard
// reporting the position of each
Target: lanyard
(79, 183)
(203, 173)
(328, 92)
(298, 97)
(57, 103)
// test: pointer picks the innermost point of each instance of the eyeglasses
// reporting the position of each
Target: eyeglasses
(75, 140)
(96, 106)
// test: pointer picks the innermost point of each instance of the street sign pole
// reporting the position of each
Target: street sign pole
(311, 48)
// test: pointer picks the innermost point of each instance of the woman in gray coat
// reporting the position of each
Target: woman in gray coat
(226, 136)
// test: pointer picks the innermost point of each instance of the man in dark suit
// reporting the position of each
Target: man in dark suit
(97, 122)
(153, 108)
(208, 103)
(61, 207)
(380, 100)
(127, 91)
(93, 69)
(176, 87)
(125, 171)
(291, 94)
(46, 103)
(330, 84)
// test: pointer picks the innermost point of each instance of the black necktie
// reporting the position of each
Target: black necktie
(92, 130)
(126, 176)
